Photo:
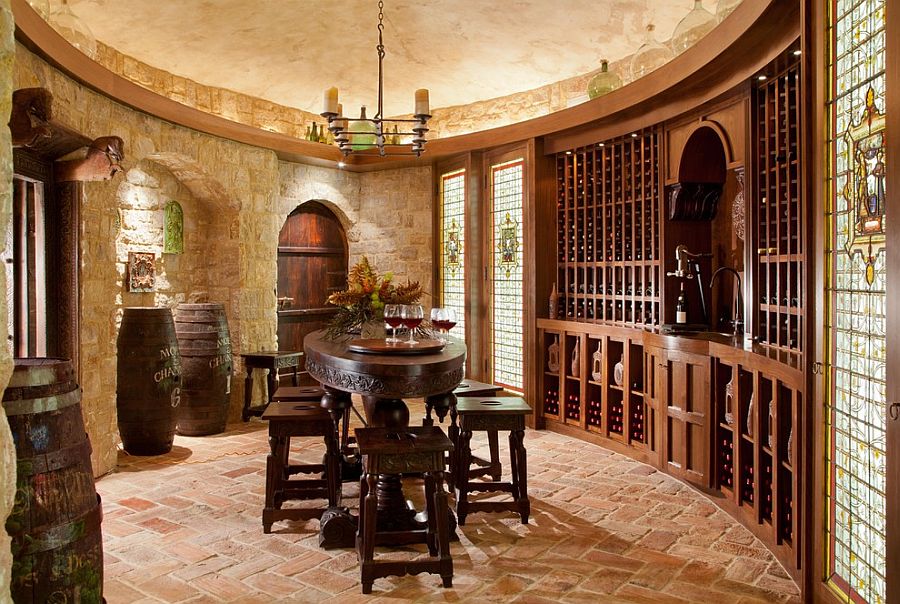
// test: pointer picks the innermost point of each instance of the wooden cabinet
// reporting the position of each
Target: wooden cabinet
(757, 404)
(600, 392)
(685, 404)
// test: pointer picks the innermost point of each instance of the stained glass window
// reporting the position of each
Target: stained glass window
(507, 188)
(856, 300)
(453, 236)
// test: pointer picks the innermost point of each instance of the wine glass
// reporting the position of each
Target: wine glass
(444, 319)
(412, 315)
(393, 317)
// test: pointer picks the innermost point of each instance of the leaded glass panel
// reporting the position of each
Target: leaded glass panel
(453, 236)
(856, 300)
(507, 186)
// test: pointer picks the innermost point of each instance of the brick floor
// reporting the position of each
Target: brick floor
(186, 527)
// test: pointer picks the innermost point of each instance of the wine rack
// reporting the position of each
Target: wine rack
(779, 263)
(608, 262)
(756, 411)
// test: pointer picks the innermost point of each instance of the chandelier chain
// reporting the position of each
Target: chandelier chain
(380, 49)
(360, 137)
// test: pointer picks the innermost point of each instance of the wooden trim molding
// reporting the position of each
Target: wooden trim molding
(749, 38)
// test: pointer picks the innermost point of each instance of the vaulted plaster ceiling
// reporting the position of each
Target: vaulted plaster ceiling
(290, 51)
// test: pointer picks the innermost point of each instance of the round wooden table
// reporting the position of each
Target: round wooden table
(383, 381)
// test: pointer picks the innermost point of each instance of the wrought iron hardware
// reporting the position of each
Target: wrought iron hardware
(894, 410)
(285, 301)
(817, 368)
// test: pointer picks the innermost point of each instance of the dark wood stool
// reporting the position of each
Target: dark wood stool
(486, 414)
(273, 360)
(298, 419)
(484, 467)
(395, 451)
(442, 404)
(297, 393)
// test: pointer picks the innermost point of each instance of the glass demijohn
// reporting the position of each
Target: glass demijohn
(694, 26)
(649, 56)
(604, 82)
(364, 140)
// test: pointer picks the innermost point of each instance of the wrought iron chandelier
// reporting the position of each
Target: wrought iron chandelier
(368, 136)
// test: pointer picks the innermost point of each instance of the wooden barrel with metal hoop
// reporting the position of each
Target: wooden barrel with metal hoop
(207, 367)
(57, 547)
(148, 387)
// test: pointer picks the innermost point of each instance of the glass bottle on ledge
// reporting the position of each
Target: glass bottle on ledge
(681, 306)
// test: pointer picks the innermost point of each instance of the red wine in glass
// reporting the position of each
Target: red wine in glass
(394, 322)
(443, 324)
(411, 322)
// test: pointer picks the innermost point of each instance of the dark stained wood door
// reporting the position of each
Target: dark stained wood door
(312, 264)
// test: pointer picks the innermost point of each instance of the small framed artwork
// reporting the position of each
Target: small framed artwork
(141, 272)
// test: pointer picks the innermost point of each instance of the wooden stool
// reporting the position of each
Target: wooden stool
(287, 420)
(485, 414)
(273, 361)
(297, 393)
(441, 404)
(393, 451)
(484, 467)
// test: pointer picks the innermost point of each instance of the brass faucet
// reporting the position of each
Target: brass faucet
(738, 321)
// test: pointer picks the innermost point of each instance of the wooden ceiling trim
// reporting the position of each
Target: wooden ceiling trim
(733, 52)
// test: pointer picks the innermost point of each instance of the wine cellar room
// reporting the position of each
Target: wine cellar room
(676, 253)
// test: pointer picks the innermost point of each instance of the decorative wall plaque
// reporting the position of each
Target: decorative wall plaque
(141, 272)
(173, 229)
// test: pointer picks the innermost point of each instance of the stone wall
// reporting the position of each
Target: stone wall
(214, 179)
(235, 200)
(7, 452)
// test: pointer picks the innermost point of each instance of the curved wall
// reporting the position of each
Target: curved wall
(235, 198)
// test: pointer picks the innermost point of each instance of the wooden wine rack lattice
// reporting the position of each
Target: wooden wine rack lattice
(608, 261)
(779, 264)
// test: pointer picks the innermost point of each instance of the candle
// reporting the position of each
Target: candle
(422, 102)
(331, 100)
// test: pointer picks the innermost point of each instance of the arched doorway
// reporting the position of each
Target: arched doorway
(312, 264)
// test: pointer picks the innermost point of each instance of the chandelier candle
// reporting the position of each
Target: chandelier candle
(359, 138)
(331, 101)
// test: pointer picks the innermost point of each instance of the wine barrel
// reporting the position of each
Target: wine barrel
(207, 367)
(57, 546)
(148, 374)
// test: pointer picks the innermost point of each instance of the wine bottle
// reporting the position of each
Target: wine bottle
(681, 306)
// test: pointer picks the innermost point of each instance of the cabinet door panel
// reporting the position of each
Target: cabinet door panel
(687, 395)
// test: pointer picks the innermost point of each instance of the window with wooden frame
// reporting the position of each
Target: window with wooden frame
(452, 229)
(856, 327)
(506, 194)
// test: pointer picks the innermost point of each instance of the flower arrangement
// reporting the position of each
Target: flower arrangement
(365, 297)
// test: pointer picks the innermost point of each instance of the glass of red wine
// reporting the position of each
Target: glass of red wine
(412, 315)
(444, 319)
(393, 317)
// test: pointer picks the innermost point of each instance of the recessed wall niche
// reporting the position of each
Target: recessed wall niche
(145, 199)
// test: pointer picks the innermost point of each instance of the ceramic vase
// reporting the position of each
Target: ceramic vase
(576, 362)
(597, 364)
(553, 356)
(619, 371)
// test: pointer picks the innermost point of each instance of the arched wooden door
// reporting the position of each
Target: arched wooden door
(312, 264)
